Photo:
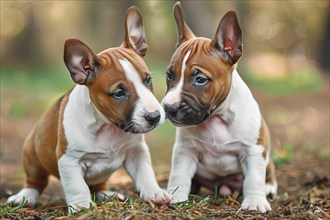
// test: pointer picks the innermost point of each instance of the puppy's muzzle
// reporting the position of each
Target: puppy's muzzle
(182, 114)
(152, 119)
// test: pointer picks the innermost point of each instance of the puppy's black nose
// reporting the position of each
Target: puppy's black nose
(152, 117)
(171, 110)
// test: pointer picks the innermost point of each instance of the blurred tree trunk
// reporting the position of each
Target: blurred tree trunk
(324, 48)
(199, 18)
(98, 20)
(25, 49)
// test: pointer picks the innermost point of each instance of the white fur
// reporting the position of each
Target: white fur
(29, 195)
(174, 95)
(223, 144)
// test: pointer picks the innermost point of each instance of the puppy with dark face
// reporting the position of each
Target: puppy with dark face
(98, 126)
(220, 131)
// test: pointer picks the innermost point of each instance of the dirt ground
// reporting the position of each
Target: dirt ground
(299, 125)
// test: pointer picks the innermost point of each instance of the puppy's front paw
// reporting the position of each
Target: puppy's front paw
(257, 203)
(76, 206)
(178, 197)
(29, 195)
(156, 195)
(106, 194)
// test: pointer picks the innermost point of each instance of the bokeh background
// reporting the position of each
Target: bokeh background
(285, 63)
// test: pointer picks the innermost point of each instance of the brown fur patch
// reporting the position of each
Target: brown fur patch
(98, 187)
(264, 140)
(61, 140)
(39, 157)
(264, 137)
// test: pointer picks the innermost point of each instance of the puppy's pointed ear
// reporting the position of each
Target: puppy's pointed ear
(81, 61)
(134, 32)
(184, 32)
(228, 38)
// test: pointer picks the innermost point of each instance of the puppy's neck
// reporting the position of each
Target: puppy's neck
(239, 100)
(86, 111)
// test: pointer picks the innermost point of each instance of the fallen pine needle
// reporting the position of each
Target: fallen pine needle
(233, 200)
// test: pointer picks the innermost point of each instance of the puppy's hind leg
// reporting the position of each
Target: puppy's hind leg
(271, 182)
(102, 194)
(36, 177)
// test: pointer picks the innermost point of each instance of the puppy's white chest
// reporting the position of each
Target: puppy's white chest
(109, 137)
(219, 150)
(222, 163)
(107, 155)
(214, 133)
(99, 166)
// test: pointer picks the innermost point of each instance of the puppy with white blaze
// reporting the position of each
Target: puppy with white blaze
(98, 126)
(221, 138)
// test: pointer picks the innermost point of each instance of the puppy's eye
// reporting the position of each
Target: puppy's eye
(148, 80)
(169, 76)
(119, 95)
(201, 81)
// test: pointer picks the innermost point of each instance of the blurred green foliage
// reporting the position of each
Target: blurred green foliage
(17, 109)
(37, 80)
(283, 156)
(307, 79)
